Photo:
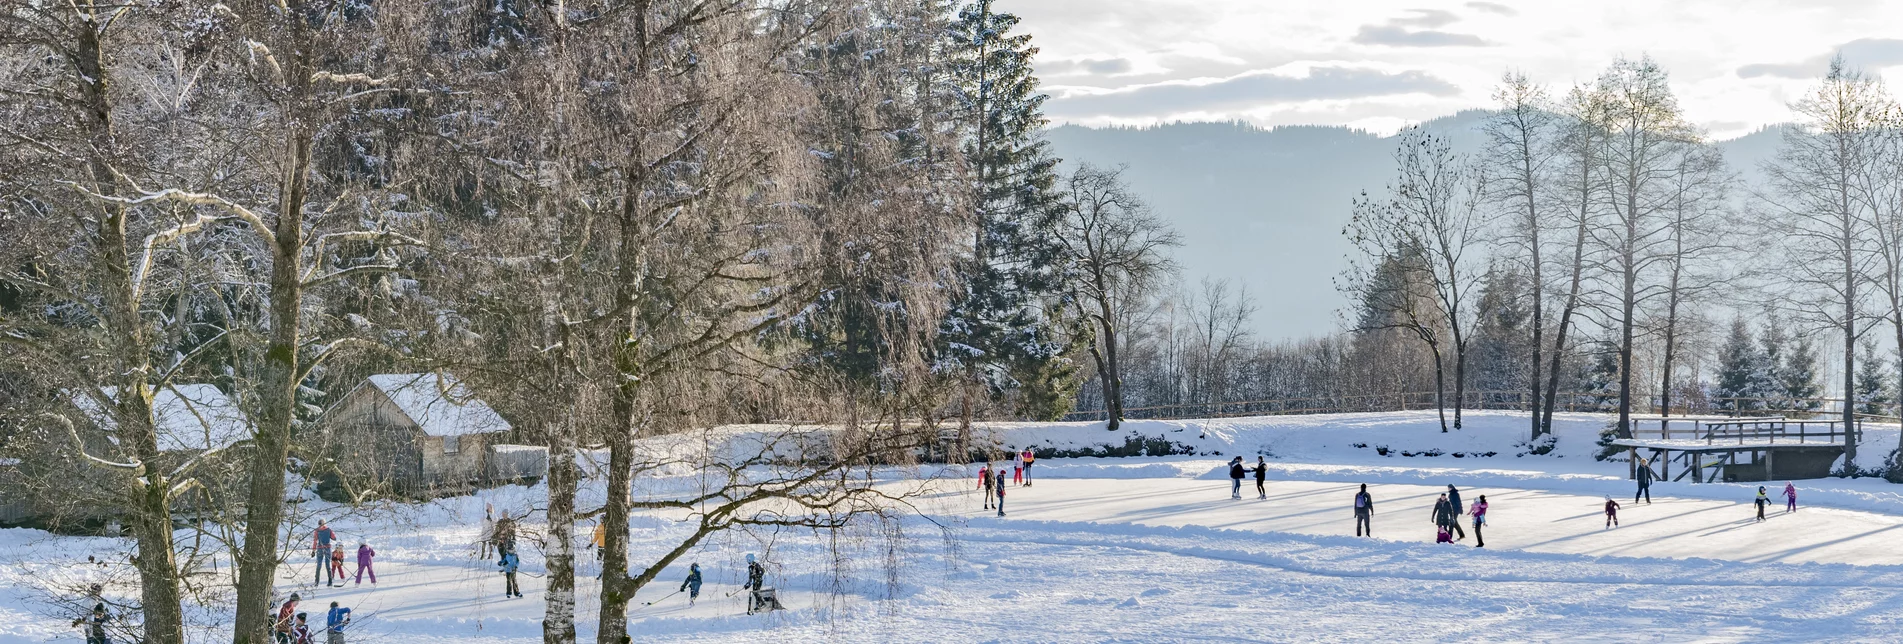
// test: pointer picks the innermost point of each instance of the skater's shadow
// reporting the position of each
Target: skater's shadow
(1787, 554)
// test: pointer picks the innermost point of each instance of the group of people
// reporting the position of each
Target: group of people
(1448, 509)
(991, 479)
(1237, 472)
(329, 552)
(498, 536)
(293, 627)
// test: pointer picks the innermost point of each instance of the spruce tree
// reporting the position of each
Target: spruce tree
(1769, 383)
(1797, 377)
(1740, 366)
(999, 331)
(1873, 384)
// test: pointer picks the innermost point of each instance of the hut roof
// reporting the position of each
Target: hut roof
(189, 417)
(439, 404)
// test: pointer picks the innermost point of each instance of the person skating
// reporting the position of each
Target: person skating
(509, 564)
(286, 619)
(505, 533)
(1364, 511)
(1261, 473)
(1235, 478)
(486, 539)
(1790, 497)
(756, 581)
(1453, 501)
(1017, 469)
(1444, 519)
(1029, 458)
(1479, 512)
(301, 630)
(320, 546)
(1761, 501)
(691, 585)
(94, 623)
(1644, 476)
(334, 623)
(365, 555)
(1000, 490)
(337, 564)
(1612, 512)
(985, 482)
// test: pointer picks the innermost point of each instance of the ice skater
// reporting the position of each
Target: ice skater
(509, 564)
(1261, 472)
(1644, 476)
(985, 482)
(1029, 458)
(364, 556)
(1479, 512)
(1364, 511)
(1445, 519)
(486, 539)
(1612, 512)
(334, 623)
(1017, 469)
(337, 563)
(756, 582)
(1453, 502)
(1235, 478)
(320, 546)
(692, 584)
(1000, 490)
(1790, 497)
(1761, 501)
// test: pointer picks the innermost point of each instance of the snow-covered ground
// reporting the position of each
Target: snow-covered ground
(1153, 549)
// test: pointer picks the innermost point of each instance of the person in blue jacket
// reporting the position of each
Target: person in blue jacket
(334, 622)
(509, 564)
(692, 583)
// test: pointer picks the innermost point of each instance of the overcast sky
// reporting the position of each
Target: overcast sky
(1381, 64)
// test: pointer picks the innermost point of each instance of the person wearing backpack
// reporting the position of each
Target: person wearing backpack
(1364, 511)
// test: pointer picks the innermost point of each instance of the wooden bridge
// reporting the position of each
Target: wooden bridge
(1736, 449)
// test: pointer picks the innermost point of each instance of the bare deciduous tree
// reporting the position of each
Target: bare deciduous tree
(1116, 251)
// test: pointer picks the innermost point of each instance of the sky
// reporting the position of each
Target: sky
(1379, 65)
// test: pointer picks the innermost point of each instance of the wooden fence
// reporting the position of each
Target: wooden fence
(1513, 400)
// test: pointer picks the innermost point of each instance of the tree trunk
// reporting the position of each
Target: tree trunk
(1628, 308)
(558, 613)
(264, 497)
(616, 590)
(1440, 389)
(1113, 385)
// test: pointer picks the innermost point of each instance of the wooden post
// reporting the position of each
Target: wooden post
(1768, 472)
(1665, 464)
(1698, 467)
(1632, 463)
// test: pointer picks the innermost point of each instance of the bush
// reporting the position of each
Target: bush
(1607, 450)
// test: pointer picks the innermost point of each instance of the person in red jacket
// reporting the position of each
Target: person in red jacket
(984, 482)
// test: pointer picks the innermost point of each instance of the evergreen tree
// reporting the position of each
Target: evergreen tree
(1873, 383)
(1602, 378)
(1500, 346)
(999, 331)
(1740, 371)
(1797, 377)
(1768, 382)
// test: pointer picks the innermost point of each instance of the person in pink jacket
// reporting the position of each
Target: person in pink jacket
(1790, 497)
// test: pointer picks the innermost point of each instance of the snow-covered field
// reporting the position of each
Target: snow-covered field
(1153, 549)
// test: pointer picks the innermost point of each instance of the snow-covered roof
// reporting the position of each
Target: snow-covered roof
(440, 405)
(189, 417)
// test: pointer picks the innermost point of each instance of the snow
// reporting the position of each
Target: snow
(439, 404)
(1153, 549)
(189, 417)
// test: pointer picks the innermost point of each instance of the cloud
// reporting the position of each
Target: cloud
(1417, 30)
(1098, 66)
(1493, 7)
(1248, 90)
(1393, 36)
(1866, 52)
(1426, 19)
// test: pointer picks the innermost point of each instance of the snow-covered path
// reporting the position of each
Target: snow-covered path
(1519, 519)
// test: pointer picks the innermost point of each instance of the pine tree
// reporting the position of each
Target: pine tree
(1602, 379)
(1873, 383)
(999, 329)
(1768, 382)
(1500, 346)
(1740, 368)
(1797, 377)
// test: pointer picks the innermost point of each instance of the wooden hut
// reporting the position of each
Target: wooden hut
(421, 434)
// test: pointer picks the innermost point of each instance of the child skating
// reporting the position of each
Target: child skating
(985, 483)
(1761, 501)
(1612, 513)
(1790, 497)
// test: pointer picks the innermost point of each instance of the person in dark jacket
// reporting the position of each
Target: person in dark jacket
(1261, 472)
(1453, 502)
(985, 481)
(1644, 475)
(756, 581)
(999, 477)
(1364, 511)
(692, 584)
(1235, 478)
(1444, 515)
